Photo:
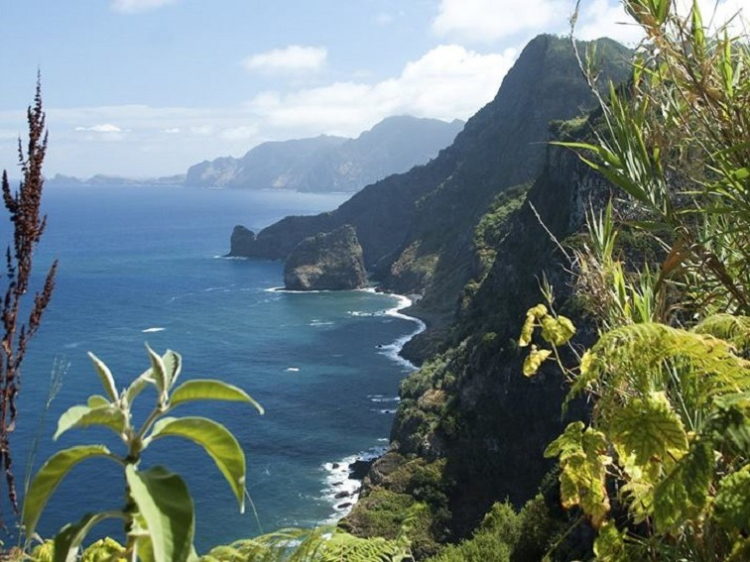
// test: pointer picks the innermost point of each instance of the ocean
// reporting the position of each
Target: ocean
(144, 265)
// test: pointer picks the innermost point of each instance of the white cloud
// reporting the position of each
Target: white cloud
(104, 128)
(492, 20)
(132, 6)
(293, 58)
(603, 18)
(172, 130)
(448, 82)
(718, 14)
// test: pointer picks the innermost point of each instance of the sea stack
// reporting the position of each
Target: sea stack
(328, 261)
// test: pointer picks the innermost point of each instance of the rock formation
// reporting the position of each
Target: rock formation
(328, 261)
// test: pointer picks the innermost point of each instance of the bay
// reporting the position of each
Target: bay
(144, 265)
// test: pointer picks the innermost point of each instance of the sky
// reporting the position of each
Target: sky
(146, 88)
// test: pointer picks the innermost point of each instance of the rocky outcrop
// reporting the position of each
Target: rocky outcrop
(242, 239)
(330, 261)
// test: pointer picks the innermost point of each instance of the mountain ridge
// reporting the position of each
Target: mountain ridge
(331, 163)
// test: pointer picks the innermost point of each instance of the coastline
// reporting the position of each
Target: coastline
(343, 481)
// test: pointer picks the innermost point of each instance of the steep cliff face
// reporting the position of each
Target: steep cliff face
(416, 229)
(328, 261)
(468, 414)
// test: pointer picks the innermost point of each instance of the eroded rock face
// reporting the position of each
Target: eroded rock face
(329, 261)
(242, 239)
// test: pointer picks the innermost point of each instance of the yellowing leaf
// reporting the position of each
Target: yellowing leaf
(557, 331)
(534, 360)
(527, 331)
(650, 429)
(733, 501)
(583, 461)
(538, 312)
(609, 545)
(683, 494)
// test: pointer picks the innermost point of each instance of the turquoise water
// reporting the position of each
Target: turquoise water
(143, 265)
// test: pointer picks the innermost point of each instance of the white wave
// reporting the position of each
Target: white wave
(393, 350)
(292, 292)
(362, 314)
(378, 398)
(341, 491)
(151, 330)
(293, 369)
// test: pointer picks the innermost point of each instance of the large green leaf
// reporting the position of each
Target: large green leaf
(649, 428)
(208, 389)
(70, 537)
(165, 504)
(49, 476)
(108, 381)
(85, 416)
(218, 442)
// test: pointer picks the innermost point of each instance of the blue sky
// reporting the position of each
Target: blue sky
(148, 87)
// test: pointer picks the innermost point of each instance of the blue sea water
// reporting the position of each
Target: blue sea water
(143, 265)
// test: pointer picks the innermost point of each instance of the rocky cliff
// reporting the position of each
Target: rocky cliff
(470, 429)
(327, 261)
(473, 231)
(328, 163)
(417, 228)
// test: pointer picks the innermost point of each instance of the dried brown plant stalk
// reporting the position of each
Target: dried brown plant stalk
(23, 207)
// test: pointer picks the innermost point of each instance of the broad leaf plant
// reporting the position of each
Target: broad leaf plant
(158, 512)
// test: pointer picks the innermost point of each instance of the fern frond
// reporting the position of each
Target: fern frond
(734, 329)
(633, 361)
(320, 544)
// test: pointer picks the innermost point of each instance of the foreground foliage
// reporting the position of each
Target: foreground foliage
(662, 470)
(158, 514)
(23, 206)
